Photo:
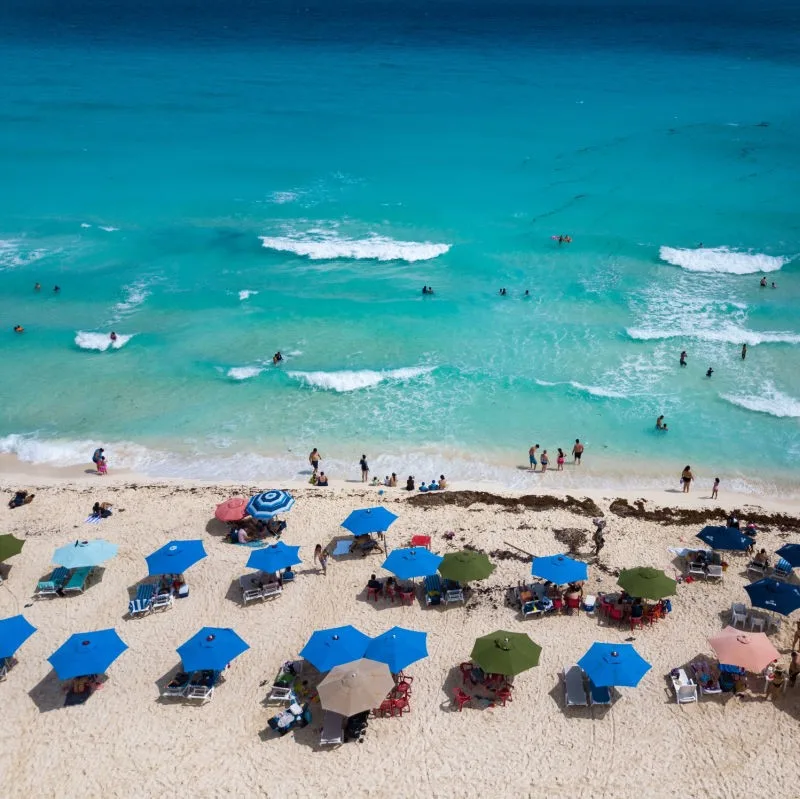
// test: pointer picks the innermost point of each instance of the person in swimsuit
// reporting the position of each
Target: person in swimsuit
(763, 283)
(715, 488)
(545, 461)
(660, 423)
(560, 460)
(709, 372)
(19, 329)
(113, 336)
(38, 287)
(744, 351)
(532, 456)
(686, 479)
(577, 451)
(683, 358)
(277, 358)
(314, 458)
(364, 469)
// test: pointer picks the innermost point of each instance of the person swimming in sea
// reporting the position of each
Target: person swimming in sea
(19, 329)
(683, 358)
(527, 293)
(502, 292)
(763, 282)
(56, 289)
(660, 423)
(277, 358)
(113, 336)
(37, 287)
(709, 372)
(427, 289)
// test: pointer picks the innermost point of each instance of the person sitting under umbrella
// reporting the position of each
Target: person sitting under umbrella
(275, 526)
(761, 559)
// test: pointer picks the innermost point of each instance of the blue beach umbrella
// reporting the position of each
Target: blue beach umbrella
(411, 562)
(774, 595)
(369, 520)
(269, 503)
(614, 664)
(725, 538)
(84, 554)
(559, 569)
(87, 653)
(274, 558)
(790, 553)
(398, 648)
(211, 649)
(14, 632)
(334, 646)
(175, 557)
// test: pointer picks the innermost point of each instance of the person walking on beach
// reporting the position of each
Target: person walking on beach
(686, 479)
(545, 461)
(364, 469)
(321, 557)
(577, 451)
(532, 456)
(597, 538)
(98, 457)
(715, 488)
(744, 351)
(314, 458)
(560, 460)
(683, 358)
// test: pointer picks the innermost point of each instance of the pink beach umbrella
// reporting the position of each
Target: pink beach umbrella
(750, 651)
(232, 510)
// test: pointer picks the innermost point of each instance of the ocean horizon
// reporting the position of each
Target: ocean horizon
(218, 184)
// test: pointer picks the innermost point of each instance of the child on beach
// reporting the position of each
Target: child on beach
(321, 556)
(560, 460)
(715, 489)
(102, 466)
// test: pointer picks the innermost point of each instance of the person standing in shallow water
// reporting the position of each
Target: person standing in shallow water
(364, 469)
(744, 351)
(686, 479)
(532, 457)
(683, 358)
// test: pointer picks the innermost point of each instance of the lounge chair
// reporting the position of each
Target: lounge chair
(78, 579)
(715, 571)
(332, 729)
(433, 590)
(251, 594)
(696, 568)
(283, 687)
(178, 685)
(202, 685)
(53, 584)
(599, 694)
(271, 590)
(453, 592)
(782, 570)
(529, 609)
(574, 691)
(756, 568)
(143, 601)
(162, 601)
(684, 687)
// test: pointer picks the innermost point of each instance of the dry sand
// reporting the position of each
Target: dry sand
(126, 742)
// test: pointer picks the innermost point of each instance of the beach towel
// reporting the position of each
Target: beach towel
(251, 544)
(94, 520)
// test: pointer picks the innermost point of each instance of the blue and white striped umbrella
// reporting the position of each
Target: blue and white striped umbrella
(269, 503)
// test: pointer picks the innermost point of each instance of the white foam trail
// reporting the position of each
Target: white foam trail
(108, 228)
(328, 246)
(726, 333)
(85, 225)
(595, 391)
(283, 197)
(244, 372)
(771, 401)
(356, 380)
(100, 341)
(721, 260)
(245, 293)
(13, 254)
(135, 295)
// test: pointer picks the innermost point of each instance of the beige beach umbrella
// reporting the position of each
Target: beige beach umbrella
(355, 687)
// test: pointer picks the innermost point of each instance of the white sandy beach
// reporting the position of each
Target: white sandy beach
(126, 742)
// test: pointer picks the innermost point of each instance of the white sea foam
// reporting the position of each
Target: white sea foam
(245, 293)
(326, 245)
(100, 341)
(244, 372)
(135, 295)
(85, 225)
(725, 333)
(355, 380)
(721, 260)
(108, 228)
(770, 401)
(13, 253)
(595, 391)
(283, 197)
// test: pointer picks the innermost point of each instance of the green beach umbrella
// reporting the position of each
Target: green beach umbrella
(465, 566)
(502, 652)
(646, 582)
(9, 546)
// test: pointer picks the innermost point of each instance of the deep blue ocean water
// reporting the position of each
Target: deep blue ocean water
(222, 181)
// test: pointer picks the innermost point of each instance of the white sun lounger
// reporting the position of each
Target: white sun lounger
(574, 691)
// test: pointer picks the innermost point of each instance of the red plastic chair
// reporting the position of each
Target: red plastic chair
(466, 673)
(372, 593)
(421, 541)
(401, 705)
(574, 603)
(390, 593)
(402, 689)
(636, 621)
(615, 613)
(558, 604)
(386, 707)
(406, 597)
(461, 698)
(503, 695)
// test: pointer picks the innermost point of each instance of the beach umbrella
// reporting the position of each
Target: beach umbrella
(231, 510)
(559, 569)
(87, 653)
(789, 552)
(464, 566)
(506, 653)
(14, 632)
(274, 558)
(414, 562)
(614, 664)
(725, 538)
(211, 649)
(9, 546)
(83, 554)
(398, 648)
(750, 651)
(354, 687)
(175, 557)
(646, 583)
(334, 646)
(269, 503)
(369, 520)
(774, 595)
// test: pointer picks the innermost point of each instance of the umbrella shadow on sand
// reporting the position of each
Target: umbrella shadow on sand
(451, 684)
(217, 528)
(49, 693)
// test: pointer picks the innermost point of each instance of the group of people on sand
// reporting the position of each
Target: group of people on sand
(320, 479)
(544, 458)
(99, 461)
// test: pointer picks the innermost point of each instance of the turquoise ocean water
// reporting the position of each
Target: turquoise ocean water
(221, 183)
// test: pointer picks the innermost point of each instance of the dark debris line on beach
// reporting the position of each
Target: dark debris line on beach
(463, 499)
(701, 516)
